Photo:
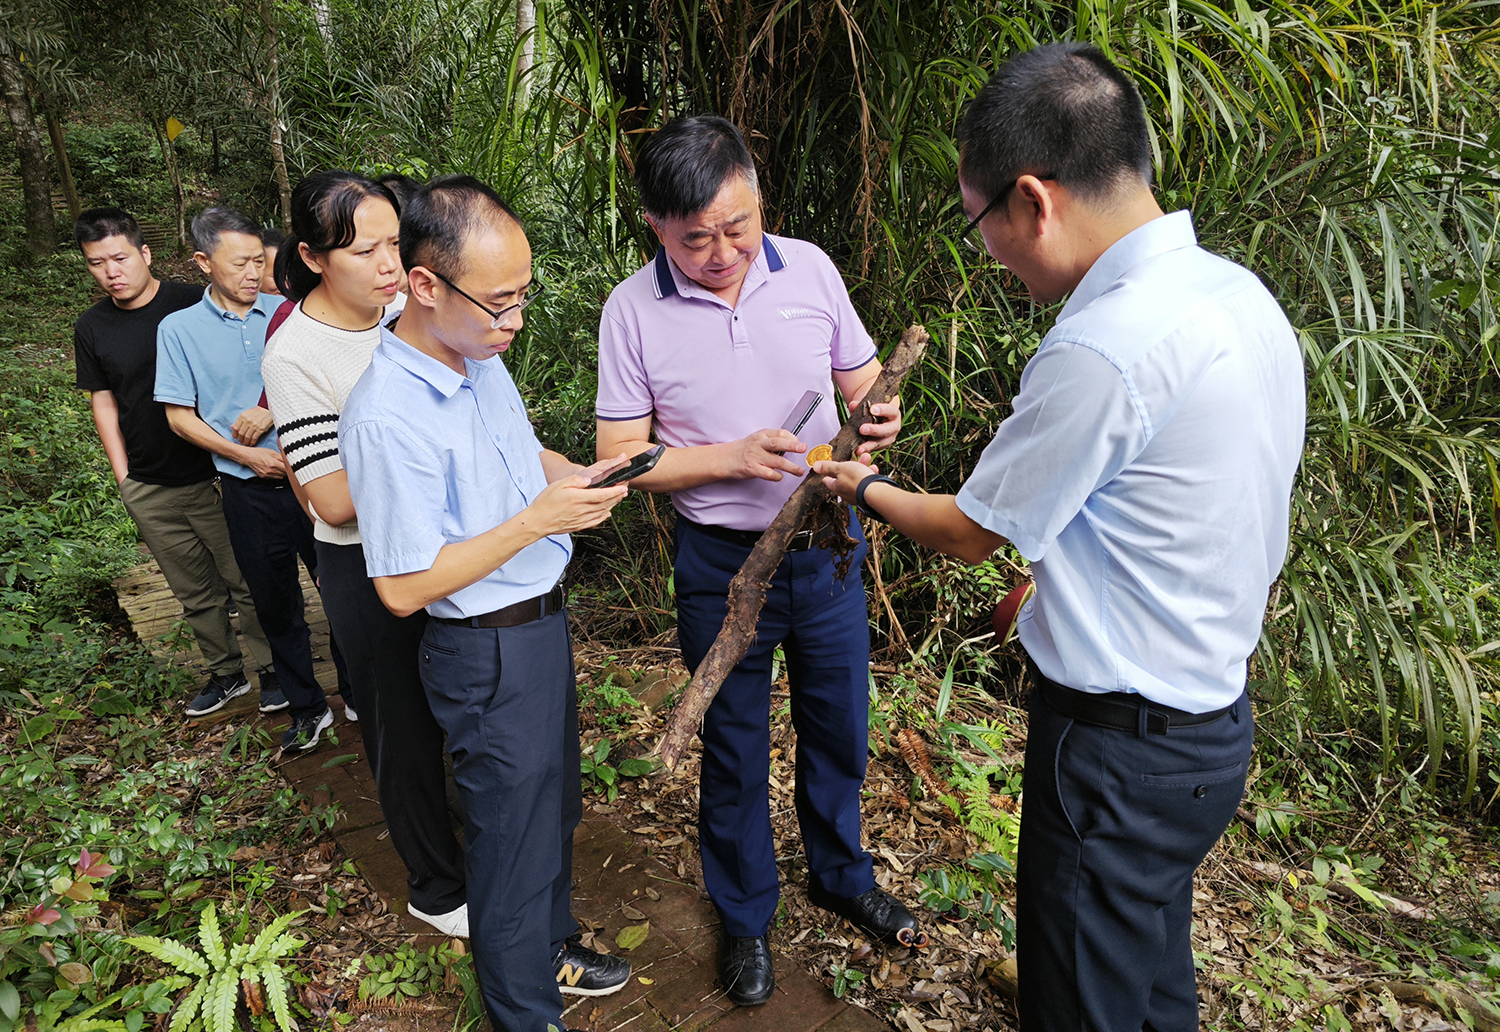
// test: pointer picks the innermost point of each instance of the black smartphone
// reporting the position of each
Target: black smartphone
(634, 468)
(802, 413)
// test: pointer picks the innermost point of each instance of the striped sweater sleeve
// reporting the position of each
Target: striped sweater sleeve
(306, 412)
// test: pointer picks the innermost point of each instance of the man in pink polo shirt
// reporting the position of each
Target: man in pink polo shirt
(712, 346)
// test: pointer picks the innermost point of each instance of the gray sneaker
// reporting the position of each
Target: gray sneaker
(218, 691)
(305, 731)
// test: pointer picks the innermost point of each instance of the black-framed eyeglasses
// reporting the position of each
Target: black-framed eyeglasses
(500, 318)
(968, 233)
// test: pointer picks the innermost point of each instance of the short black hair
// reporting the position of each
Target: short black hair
(270, 236)
(212, 223)
(97, 223)
(402, 186)
(323, 207)
(683, 165)
(442, 216)
(1063, 110)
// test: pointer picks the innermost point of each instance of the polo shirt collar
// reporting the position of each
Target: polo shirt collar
(261, 305)
(1160, 235)
(664, 271)
(421, 365)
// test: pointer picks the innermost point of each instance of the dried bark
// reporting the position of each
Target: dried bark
(747, 591)
(36, 188)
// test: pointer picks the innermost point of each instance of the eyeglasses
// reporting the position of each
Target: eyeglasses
(500, 318)
(1000, 197)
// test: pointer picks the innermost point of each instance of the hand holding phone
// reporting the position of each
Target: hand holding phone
(642, 463)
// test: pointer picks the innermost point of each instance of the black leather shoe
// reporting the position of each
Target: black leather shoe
(746, 972)
(876, 912)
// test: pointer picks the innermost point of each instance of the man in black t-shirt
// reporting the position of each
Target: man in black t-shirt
(169, 486)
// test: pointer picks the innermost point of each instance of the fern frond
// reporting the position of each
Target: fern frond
(169, 951)
(208, 935)
(92, 1025)
(222, 999)
(187, 1010)
(269, 936)
(284, 946)
(276, 995)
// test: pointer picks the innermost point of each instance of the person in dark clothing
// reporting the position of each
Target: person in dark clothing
(168, 485)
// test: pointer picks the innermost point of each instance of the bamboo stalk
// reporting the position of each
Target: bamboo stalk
(747, 591)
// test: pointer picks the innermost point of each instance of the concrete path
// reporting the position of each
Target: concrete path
(619, 880)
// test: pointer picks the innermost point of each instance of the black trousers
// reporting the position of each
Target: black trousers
(1113, 827)
(268, 530)
(509, 703)
(403, 741)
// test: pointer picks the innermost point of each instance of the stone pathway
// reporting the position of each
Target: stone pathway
(673, 984)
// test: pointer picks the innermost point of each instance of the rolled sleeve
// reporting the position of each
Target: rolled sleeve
(1077, 423)
(624, 390)
(175, 384)
(399, 492)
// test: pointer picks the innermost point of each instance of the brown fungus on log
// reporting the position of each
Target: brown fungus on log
(811, 504)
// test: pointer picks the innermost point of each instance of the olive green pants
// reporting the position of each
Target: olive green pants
(185, 530)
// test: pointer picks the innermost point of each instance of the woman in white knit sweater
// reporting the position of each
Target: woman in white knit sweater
(342, 265)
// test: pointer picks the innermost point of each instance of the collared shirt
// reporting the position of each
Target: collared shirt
(1146, 472)
(209, 358)
(711, 373)
(435, 458)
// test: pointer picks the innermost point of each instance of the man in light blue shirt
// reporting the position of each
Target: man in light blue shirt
(208, 379)
(464, 513)
(1146, 473)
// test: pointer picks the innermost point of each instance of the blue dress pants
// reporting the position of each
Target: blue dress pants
(823, 628)
(507, 699)
(1113, 827)
(268, 531)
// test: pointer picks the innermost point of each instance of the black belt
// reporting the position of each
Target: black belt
(800, 542)
(512, 615)
(1119, 710)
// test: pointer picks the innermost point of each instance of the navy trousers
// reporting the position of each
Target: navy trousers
(269, 530)
(1113, 827)
(402, 739)
(508, 701)
(824, 630)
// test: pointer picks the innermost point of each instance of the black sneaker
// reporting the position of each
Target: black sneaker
(272, 698)
(585, 972)
(219, 690)
(305, 731)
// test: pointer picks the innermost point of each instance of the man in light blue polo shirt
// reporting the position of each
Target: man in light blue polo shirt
(208, 378)
(1146, 473)
(710, 347)
(463, 512)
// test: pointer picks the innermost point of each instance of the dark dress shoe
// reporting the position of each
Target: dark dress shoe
(746, 972)
(876, 912)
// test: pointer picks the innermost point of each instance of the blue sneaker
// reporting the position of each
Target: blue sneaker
(272, 699)
(305, 731)
(218, 691)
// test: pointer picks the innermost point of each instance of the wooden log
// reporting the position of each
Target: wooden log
(747, 591)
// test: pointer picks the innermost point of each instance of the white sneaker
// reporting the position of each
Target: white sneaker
(349, 713)
(454, 922)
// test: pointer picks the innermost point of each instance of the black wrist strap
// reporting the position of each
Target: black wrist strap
(859, 494)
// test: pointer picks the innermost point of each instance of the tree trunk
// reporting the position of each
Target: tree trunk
(64, 166)
(174, 174)
(747, 591)
(324, 18)
(36, 186)
(273, 102)
(526, 37)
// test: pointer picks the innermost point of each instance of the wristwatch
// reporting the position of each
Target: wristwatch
(859, 494)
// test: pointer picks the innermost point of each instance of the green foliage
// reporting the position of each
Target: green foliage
(220, 970)
(973, 890)
(410, 972)
(599, 776)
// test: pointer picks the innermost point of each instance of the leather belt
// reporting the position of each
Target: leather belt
(1118, 710)
(512, 615)
(800, 542)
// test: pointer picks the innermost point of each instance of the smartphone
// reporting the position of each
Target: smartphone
(634, 468)
(802, 413)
